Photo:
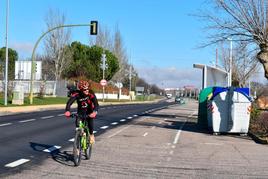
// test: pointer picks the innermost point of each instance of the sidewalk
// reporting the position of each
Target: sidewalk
(25, 109)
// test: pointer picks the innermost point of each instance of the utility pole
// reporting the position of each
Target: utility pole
(130, 77)
(6, 67)
(230, 62)
(103, 66)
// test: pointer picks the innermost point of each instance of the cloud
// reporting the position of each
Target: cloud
(171, 77)
(23, 48)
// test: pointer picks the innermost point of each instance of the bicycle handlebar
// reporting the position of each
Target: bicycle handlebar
(73, 115)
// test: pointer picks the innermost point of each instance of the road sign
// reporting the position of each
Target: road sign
(119, 85)
(103, 82)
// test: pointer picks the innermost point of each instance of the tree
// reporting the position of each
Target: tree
(245, 20)
(244, 63)
(55, 44)
(86, 62)
(114, 43)
(12, 57)
(120, 53)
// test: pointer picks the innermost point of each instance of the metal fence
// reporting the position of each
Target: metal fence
(44, 87)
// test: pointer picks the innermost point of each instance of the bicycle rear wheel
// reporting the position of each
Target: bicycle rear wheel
(77, 149)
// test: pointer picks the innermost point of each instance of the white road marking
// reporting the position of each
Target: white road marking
(71, 140)
(118, 132)
(178, 134)
(6, 124)
(17, 163)
(135, 115)
(46, 117)
(114, 123)
(51, 149)
(104, 127)
(126, 127)
(145, 134)
(29, 120)
(122, 120)
(129, 117)
(60, 114)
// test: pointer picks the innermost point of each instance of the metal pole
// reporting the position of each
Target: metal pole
(230, 62)
(6, 68)
(130, 76)
(103, 72)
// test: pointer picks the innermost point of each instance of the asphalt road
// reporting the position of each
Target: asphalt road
(133, 141)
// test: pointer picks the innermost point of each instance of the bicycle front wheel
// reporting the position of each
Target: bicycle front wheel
(88, 149)
(77, 149)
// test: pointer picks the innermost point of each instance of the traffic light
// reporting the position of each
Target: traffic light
(93, 27)
(35, 67)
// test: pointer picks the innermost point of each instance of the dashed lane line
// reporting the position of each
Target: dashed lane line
(17, 163)
(71, 140)
(28, 120)
(122, 120)
(178, 134)
(114, 123)
(51, 149)
(5, 124)
(145, 134)
(47, 117)
(104, 127)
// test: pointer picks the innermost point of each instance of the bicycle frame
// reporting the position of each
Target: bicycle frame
(81, 142)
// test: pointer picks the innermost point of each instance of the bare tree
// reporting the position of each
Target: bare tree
(114, 43)
(120, 53)
(56, 44)
(244, 63)
(241, 20)
(103, 39)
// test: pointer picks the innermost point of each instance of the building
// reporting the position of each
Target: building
(23, 70)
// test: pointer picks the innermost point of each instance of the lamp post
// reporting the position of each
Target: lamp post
(230, 63)
(6, 67)
(94, 28)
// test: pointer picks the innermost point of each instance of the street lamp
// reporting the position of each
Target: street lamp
(6, 72)
(230, 62)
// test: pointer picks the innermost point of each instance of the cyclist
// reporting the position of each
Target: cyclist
(87, 105)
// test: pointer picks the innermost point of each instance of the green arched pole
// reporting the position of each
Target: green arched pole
(35, 46)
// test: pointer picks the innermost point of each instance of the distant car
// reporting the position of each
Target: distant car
(182, 101)
(168, 96)
(177, 99)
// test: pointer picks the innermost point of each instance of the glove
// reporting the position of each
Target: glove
(67, 114)
(93, 115)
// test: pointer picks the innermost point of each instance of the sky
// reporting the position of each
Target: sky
(161, 37)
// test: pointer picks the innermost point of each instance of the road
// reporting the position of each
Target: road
(132, 141)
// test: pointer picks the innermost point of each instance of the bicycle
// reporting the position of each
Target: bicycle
(81, 141)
